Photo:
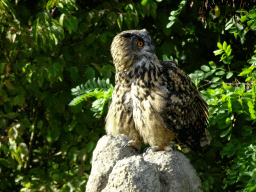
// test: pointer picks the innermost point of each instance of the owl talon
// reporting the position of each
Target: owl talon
(133, 144)
(147, 149)
(122, 137)
(130, 143)
(169, 148)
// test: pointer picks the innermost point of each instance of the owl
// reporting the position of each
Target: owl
(153, 101)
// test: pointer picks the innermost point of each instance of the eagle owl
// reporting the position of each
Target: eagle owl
(153, 101)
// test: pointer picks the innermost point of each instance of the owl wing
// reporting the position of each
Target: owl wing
(184, 112)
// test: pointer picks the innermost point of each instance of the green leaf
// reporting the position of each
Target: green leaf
(229, 105)
(249, 23)
(228, 121)
(248, 79)
(218, 52)
(199, 73)
(99, 82)
(90, 146)
(226, 132)
(90, 73)
(220, 73)
(205, 68)
(11, 115)
(89, 84)
(251, 109)
(103, 38)
(13, 133)
(244, 18)
(129, 7)
(61, 20)
(144, 2)
(248, 128)
(212, 64)
(239, 26)
(40, 124)
(165, 58)
(57, 177)
(245, 72)
(87, 167)
(228, 51)
(182, 3)
(230, 74)
(90, 38)
(176, 12)
(229, 24)
(215, 79)
(230, 58)
(224, 85)
(53, 133)
(26, 123)
(171, 18)
(224, 45)
(253, 60)
(211, 92)
(73, 23)
(120, 21)
(170, 24)
(154, 6)
(49, 5)
(109, 34)
(219, 45)
(227, 27)
(18, 100)
(94, 83)
(128, 20)
(72, 125)
(135, 19)
(103, 83)
(241, 11)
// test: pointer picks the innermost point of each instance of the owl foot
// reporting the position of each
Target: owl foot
(134, 144)
(122, 137)
(170, 148)
(131, 143)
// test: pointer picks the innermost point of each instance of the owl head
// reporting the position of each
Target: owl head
(130, 46)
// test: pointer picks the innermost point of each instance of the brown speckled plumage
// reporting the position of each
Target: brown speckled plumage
(153, 101)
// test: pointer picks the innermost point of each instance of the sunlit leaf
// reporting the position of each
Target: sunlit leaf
(224, 45)
(205, 68)
(170, 24)
(220, 73)
(218, 52)
(229, 74)
(226, 132)
(61, 20)
(144, 2)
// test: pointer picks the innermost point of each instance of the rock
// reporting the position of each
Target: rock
(117, 167)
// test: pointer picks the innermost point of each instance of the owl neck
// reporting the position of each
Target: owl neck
(143, 68)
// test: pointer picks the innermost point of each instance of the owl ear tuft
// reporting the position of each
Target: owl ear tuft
(127, 35)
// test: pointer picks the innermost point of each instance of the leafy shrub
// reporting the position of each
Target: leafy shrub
(49, 47)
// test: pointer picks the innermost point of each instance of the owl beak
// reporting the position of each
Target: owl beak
(150, 49)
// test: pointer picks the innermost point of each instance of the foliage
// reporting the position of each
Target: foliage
(232, 117)
(49, 47)
(101, 89)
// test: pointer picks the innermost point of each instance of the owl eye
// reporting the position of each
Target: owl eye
(140, 43)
